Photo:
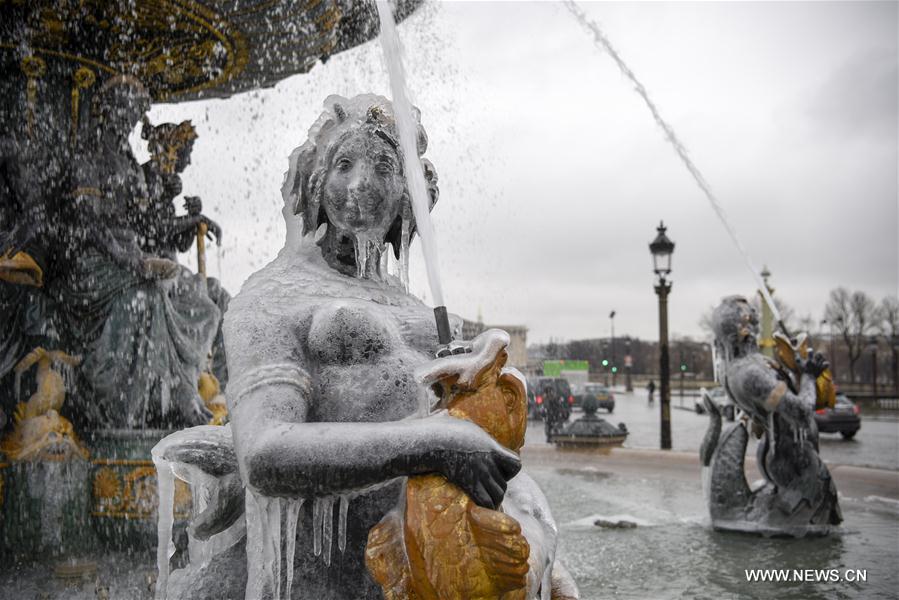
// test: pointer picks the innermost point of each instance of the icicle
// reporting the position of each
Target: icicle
(385, 263)
(546, 586)
(256, 575)
(327, 527)
(404, 250)
(293, 512)
(341, 522)
(274, 546)
(361, 247)
(317, 526)
(165, 547)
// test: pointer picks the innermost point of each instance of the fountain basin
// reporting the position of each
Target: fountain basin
(123, 488)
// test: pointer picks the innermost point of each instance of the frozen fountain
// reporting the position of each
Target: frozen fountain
(330, 366)
(128, 343)
(797, 496)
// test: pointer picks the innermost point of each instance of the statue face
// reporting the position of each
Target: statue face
(182, 156)
(364, 186)
(736, 324)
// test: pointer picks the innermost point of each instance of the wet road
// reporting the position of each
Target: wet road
(875, 445)
(673, 552)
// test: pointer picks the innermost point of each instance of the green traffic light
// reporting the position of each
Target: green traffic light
(605, 363)
(683, 367)
(614, 369)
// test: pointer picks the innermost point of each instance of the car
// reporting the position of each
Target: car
(844, 418)
(604, 398)
(542, 391)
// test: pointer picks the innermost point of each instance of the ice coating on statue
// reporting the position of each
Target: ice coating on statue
(797, 496)
(323, 350)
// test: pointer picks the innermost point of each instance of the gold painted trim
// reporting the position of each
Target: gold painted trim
(87, 191)
(123, 462)
(235, 46)
(65, 55)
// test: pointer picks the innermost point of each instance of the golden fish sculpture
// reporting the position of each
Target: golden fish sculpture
(438, 544)
(40, 432)
(786, 353)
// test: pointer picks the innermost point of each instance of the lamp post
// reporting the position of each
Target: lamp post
(872, 343)
(614, 365)
(628, 364)
(662, 248)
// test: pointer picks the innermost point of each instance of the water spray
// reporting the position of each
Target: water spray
(680, 149)
(406, 127)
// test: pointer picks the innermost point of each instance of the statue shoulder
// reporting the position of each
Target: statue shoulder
(751, 375)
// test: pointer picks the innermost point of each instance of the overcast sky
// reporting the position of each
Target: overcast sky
(553, 175)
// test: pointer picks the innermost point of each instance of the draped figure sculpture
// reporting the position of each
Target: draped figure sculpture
(332, 363)
(163, 233)
(798, 496)
(145, 333)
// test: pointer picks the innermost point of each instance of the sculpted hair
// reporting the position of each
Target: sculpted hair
(303, 188)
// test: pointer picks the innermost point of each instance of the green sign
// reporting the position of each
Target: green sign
(554, 368)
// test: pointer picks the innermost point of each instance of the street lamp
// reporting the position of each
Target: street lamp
(614, 366)
(872, 343)
(662, 248)
(628, 363)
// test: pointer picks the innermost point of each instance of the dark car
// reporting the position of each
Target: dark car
(843, 418)
(535, 411)
(603, 396)
(547, 387)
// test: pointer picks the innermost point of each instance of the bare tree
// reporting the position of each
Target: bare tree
(889, 327)
(854, 315)
(705, 322)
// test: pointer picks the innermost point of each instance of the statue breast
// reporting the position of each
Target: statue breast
(363, 367)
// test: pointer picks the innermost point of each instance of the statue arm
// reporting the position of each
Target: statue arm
(184, 230)
(758, 385)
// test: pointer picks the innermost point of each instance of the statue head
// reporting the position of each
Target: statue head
(119, 104)
(347, 183)
(169, 144)
(736, 326)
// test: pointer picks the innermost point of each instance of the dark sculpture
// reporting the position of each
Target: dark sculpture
(164, 233)
(324, 346)
(590, 429)
(798, 496)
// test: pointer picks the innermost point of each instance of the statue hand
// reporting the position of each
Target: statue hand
(154, 267)
(479, 465)
(502, 546)
(172, 187)
(815, 364)
(213, 230)
(193, 205)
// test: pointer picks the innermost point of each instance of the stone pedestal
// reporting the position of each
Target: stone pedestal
(124, 491)
(45, 509)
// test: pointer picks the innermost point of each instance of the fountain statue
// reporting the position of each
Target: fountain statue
(148, 325)
(89, 240)
(164, 233)
(331, 395)
(798, 496)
